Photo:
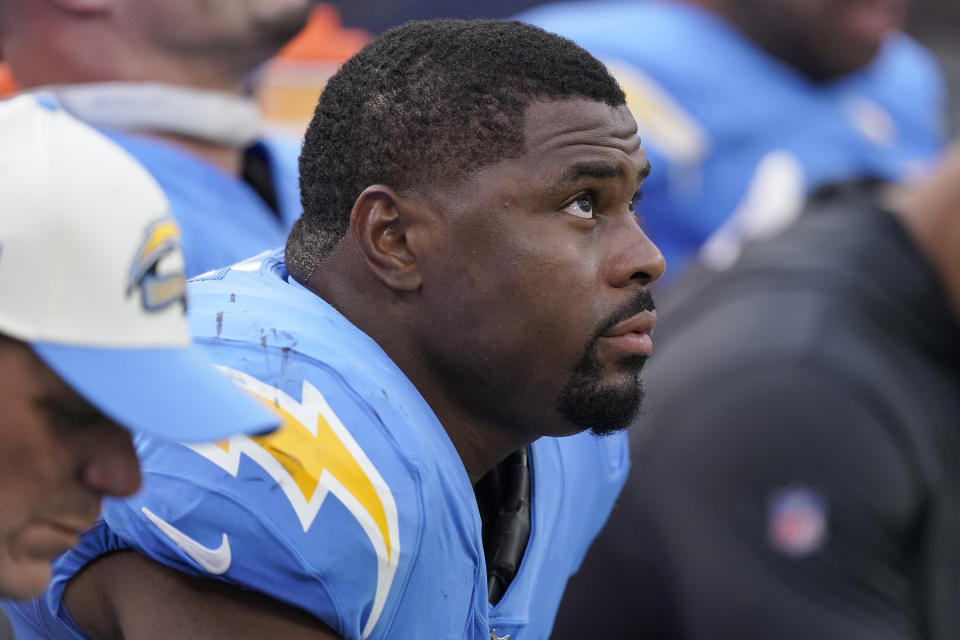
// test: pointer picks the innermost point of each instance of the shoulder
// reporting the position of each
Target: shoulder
(327, 513)
(181, 173)
(765, 486)
(320, 515)
(279, 337)
(906, 82)
(736, 439)
(586, 22)
(903, 59)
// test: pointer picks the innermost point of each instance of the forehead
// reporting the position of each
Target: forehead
(563, 123)
(560, 138)
(562, 132)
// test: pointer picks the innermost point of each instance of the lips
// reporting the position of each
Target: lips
(70, 526)
(633, 334)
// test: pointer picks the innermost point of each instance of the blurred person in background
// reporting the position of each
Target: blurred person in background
(378, 15)
(289, 85)
(167, 82)
(745, 106)
(93, 336)
(468, 281)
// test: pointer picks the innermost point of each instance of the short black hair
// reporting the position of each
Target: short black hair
(428, 100)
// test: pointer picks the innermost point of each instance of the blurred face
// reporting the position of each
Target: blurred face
(539, 283)
(248, 30)
(58, 457)
(821, 38)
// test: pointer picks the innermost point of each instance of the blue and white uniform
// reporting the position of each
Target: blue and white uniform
(736, 138)
(222, 218)
(358, 510)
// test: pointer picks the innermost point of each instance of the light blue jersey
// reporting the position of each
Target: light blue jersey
(738, 139)
(222, 218)
(358, 510)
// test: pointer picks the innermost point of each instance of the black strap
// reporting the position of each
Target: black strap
(504, 499)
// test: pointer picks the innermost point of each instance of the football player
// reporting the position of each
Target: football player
(468, 283)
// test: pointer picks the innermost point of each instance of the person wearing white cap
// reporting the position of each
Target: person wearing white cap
(93, 336)
(169, 82)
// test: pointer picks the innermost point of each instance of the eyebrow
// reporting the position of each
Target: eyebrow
(601, 170)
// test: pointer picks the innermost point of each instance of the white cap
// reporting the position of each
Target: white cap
(91, 276)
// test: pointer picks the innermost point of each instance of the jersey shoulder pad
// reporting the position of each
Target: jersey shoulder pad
(322, 514)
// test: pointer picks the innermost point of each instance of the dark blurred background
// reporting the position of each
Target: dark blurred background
(377, 15)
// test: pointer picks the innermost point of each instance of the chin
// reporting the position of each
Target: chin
(20, 581)
(605, 432)
(604, 410)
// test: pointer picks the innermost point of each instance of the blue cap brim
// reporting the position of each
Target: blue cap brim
(173, 393)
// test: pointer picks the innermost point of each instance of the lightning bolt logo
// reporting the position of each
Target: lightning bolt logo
(311, 456)
(155, 270)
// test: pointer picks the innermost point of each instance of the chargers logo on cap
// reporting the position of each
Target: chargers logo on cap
(157, 268)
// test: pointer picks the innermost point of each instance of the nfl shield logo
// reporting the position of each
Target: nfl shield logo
(797, 521)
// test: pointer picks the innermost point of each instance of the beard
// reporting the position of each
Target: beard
(589, 402)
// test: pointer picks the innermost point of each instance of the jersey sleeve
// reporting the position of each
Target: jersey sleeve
(312, 515)
(777, 504)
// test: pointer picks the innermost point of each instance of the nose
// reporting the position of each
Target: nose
(635, 258)
(111, 466)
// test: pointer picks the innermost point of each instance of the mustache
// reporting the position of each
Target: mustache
(643, 301)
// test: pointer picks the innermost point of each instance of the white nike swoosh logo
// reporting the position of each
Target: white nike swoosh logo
(215, 561)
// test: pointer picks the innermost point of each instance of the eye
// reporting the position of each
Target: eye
(634, 205)
(71, 415)
(582, 207)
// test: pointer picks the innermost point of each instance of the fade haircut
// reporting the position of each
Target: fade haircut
(427, 102)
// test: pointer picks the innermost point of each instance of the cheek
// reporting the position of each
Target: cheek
(35, 472)
(537, 306)
(521, 295)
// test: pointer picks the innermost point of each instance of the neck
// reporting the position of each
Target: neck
(482, 442)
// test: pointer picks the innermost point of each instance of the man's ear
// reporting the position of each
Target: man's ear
(385, 227)
(83, 6)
